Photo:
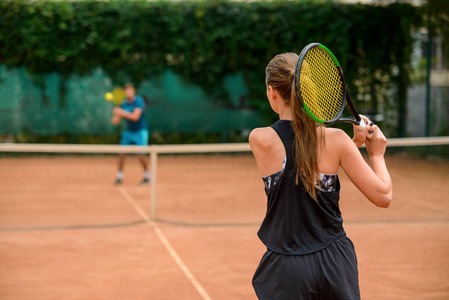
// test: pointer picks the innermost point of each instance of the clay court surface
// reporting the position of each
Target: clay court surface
(67, 233)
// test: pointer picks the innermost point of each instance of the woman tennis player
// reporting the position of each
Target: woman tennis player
(308, 253)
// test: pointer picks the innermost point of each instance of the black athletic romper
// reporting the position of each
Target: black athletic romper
(308, 254)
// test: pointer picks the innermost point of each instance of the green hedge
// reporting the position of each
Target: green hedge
(437, 15)
(206, 40)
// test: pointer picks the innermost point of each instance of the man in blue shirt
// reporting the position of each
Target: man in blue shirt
(133, 110)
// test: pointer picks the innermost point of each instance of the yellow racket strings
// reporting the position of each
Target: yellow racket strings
(321, 85)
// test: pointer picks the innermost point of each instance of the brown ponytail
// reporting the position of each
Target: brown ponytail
(280, 74)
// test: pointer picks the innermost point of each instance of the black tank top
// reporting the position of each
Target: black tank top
(296, 224)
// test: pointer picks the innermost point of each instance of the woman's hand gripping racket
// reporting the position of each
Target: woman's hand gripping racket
(321, 86)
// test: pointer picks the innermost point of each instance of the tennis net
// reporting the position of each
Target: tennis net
(48, 187)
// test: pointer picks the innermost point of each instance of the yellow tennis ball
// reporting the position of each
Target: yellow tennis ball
(109, 96)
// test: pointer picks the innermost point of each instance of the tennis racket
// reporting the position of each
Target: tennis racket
(321, 86)
(116, 97)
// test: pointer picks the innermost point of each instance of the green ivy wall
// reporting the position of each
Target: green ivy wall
(201, 63)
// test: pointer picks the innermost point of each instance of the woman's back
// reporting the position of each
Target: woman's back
(295, 223)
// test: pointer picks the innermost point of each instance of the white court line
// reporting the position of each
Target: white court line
(167, 244)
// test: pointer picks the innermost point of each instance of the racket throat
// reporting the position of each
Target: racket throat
(358, 120)
(355, 122)
(351, 107)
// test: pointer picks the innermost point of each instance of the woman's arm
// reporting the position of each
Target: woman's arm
(374, 183)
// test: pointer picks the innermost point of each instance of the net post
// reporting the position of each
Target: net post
(153, 196)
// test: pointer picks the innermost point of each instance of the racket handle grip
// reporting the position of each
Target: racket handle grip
(362, 123)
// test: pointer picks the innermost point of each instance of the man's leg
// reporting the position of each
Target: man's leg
(124, 141)
(121, 163)
(144, 163)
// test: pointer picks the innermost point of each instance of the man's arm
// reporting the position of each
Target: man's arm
(132, 116)
(115, 120)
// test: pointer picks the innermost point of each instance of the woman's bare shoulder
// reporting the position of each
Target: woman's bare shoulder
(336, 136)
(262, 137)
(268, 150)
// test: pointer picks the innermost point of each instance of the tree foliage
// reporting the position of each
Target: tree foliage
(438, 22)
(206, 40)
